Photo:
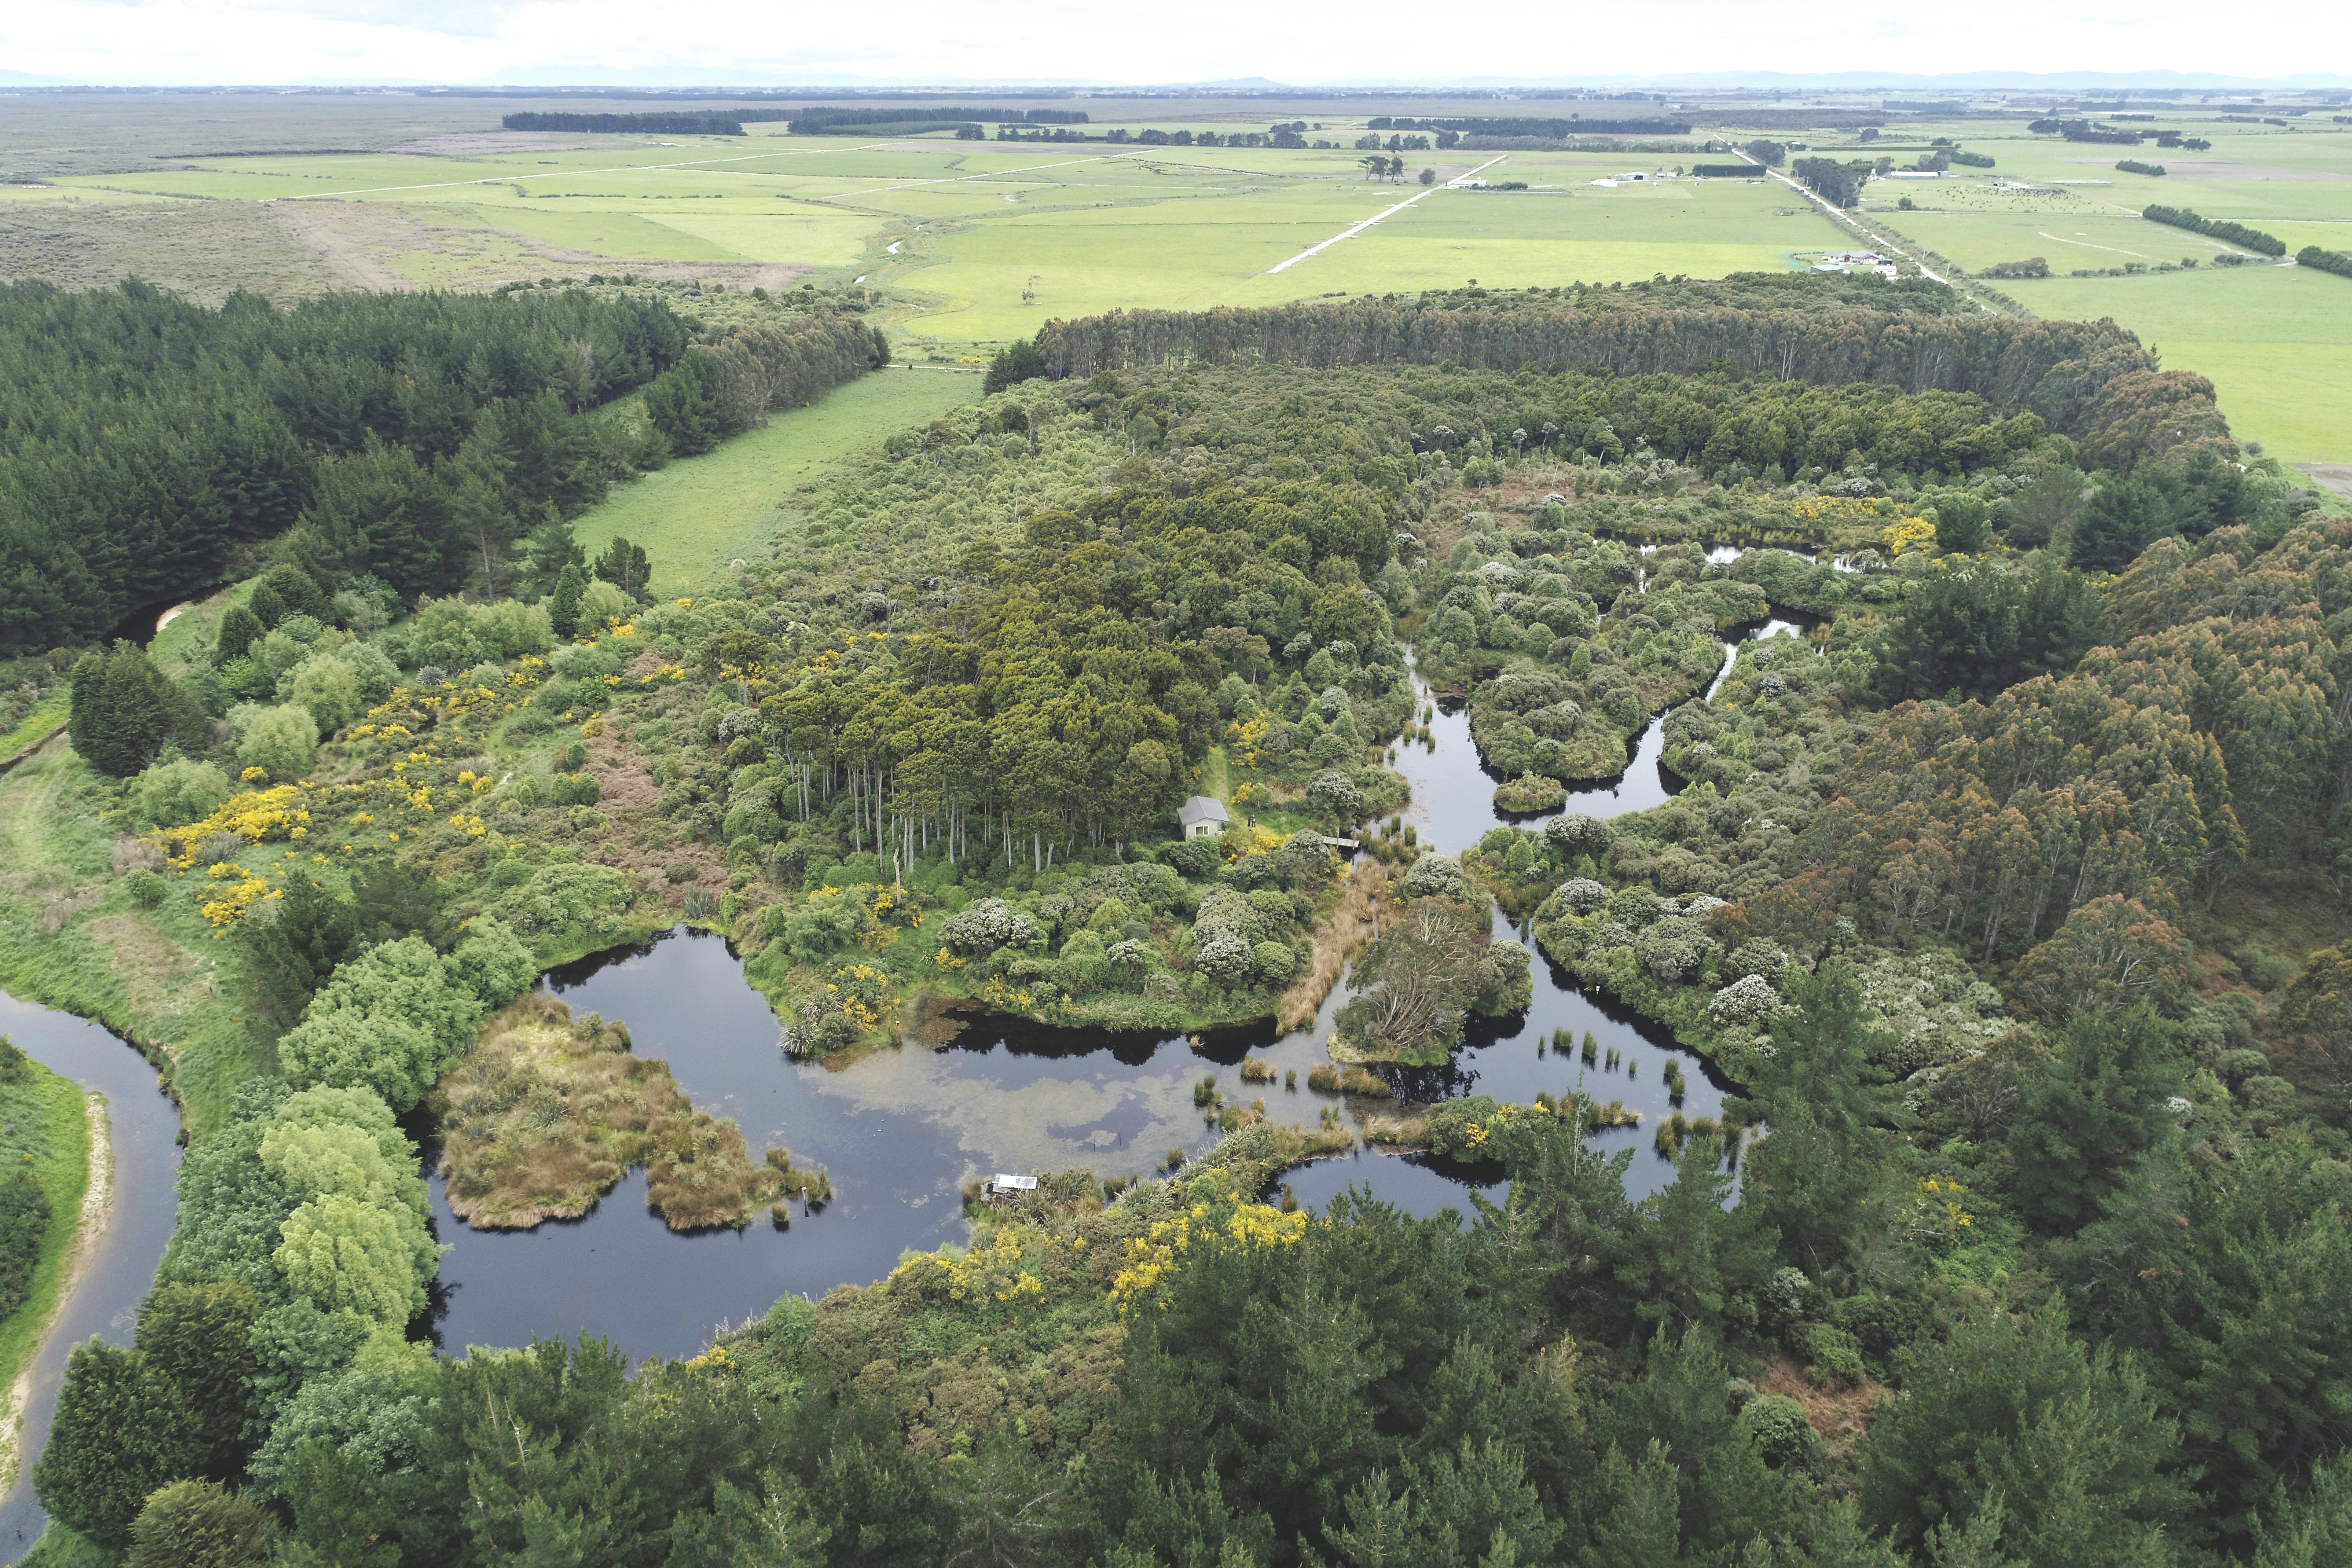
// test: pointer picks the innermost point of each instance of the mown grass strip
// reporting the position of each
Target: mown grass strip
(36, 726)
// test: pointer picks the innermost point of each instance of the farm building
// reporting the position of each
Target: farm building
(1203, 816)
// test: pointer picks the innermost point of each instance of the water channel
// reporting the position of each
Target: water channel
(899, 1131)
(144, 1143)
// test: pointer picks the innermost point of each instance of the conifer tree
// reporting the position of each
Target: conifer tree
(124, 711)
(118, 1435)
(2100, 1105)
(193, 1337)
(266, 604)
(683, 404)
(200, 1524)
(547, 550)
(626, 566)
(289, 955)
(298, 592)
(563, 605)
(240, 628)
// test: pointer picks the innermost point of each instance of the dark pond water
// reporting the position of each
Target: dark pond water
(900, 1130)
(145, 1139)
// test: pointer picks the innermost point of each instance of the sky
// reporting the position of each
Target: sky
(1302, 41)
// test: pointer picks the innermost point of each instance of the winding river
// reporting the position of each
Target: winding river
(143, 1139)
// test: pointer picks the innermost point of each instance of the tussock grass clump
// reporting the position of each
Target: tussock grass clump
(1615, 1113)
(1256, 1070)
(1678, 1129)
(1324, 1078)
(810, 1186)
(1396, 1131)
(546, 1113)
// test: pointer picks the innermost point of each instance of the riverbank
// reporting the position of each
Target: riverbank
(126, 1205)
(49, 1120)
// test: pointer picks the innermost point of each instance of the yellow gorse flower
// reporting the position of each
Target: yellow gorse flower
(1245, 1225)
(1908, 533)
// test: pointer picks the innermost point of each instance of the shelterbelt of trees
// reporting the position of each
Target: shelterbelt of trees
(2006, 898)
(144, 439)
(2090, 381)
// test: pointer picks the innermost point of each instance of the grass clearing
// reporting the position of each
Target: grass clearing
(802, 235)
(189, 637)
(603, 231)
(34, 727)
(63, 916)
(2275, 340)
(696, 516)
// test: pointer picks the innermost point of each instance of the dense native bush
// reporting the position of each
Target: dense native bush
(396, 1017)
(1986, 1084)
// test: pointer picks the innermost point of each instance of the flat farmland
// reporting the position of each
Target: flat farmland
(2276, 339)
(1183, 233)
(954, 232)
(1704, 228)
(969, 244)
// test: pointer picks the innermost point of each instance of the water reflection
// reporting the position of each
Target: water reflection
(144, 1136)
(900, 1130)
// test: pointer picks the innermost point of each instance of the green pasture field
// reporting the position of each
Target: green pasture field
(2277, 341)
(1218, 249)
(696, 516)
(1523, 238)
(445, 200)
(834, 241)
(600, 231)
(1978, 227)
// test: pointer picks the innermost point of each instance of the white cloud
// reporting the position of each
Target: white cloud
(459, 40)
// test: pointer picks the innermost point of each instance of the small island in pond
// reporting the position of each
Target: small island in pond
(548, 1112)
